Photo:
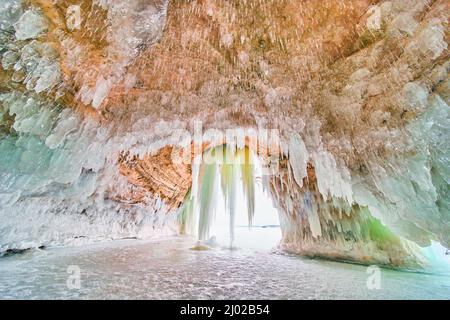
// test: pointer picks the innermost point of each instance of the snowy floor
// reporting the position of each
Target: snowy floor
(169, 269)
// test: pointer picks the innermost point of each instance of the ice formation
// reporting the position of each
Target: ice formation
(221, 165)
(30, 25)
(91, 116)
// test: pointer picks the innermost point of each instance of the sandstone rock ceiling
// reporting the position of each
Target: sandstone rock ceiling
(362, 86)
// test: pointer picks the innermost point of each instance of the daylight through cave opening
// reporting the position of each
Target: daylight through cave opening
(228, 201)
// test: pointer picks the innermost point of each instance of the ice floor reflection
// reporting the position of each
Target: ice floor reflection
(168, 269)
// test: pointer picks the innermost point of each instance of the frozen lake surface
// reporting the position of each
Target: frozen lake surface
(169, 269)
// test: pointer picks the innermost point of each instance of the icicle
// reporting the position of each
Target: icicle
(298, 158)
(314, 223)
(228, 184)
(186, 214)
(192, 223)
(248, 182)
(207, 198)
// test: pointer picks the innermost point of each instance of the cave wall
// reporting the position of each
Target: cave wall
(358, 90)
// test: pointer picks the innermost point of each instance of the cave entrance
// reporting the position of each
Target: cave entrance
(228, 204)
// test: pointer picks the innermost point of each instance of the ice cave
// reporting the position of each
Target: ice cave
(230, 149)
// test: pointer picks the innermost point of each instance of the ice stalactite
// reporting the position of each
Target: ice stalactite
(325, 216)
(207, 197)
(298, 158)
(229, 177)
(335, 229)
(224, 166)
(248, 181)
